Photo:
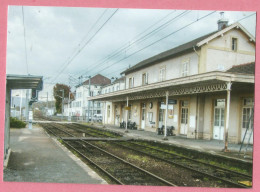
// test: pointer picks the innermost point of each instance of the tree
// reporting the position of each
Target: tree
(57, 94)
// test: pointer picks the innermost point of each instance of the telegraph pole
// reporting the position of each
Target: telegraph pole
(62, 104)
(89, 96)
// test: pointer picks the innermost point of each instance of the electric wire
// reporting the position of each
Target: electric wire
(159, 40)
(25, 44)
(110, 74)
(141, 39)
(79, 51)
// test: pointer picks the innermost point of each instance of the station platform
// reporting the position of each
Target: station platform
(210, 146)
(35, 157)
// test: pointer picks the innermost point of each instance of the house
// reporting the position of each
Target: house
(80, 106)
(204, 88)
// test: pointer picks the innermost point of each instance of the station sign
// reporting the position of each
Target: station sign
(170, 101)
(128, 108)
(30, 115)
(163, 106)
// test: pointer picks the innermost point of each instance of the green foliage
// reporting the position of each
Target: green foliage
(57, 93)
(15, 123)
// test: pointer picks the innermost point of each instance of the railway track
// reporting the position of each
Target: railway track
(215, 172)
(117, 169)
(230, 178)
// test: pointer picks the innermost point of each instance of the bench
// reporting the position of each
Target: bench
(132, 125)
(122, 125)
(160, 130)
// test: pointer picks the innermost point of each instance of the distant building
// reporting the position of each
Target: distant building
(79, 106)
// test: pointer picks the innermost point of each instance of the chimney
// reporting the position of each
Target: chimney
(222, 22)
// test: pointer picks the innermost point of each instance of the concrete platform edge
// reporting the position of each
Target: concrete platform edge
(7, 158)
(77, 160)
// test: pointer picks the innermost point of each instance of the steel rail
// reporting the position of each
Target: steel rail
(187, 158)
(126, 162)
(189, 168)
(88, 159)
(194, 160)
(197, 161)
(143, 170)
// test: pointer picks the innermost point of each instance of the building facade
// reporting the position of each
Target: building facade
(204, 88)
(81, 107)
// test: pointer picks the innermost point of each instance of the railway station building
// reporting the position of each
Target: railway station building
(203, 88)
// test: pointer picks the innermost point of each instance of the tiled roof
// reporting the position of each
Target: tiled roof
(184, 48)
(98, 80)
(247, 68)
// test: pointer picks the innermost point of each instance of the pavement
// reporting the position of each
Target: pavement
(209, 146)
(36, 157)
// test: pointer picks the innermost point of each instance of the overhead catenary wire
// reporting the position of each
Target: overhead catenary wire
(92, 37)
(75, 51)
(141, 39)
(125, 67)
(25, 44)
(159, 40)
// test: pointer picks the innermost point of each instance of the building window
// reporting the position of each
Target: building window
(248, 105)
(162, 74)
(144, 78)
(185, 68)
(234, 44)
(117, 88)
(108, 111)
(91, 93)
(131, 82)
(129, 112)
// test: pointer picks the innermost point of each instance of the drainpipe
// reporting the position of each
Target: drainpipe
(227, 116)
(126, 115)
(166, 116)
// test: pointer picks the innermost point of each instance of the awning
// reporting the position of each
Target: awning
(24, 81)
(194, 84)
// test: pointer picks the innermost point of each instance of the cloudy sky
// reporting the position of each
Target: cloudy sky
(66, 45)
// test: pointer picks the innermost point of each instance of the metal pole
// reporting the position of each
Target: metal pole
(227, 116)
(166, 116)
(62, 102)
(126, 115)
(69, 108)
(47, 105)
(21, 104)
(27, 106)
(89, 96)
(92, 113)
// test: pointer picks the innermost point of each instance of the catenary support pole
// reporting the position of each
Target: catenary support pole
(27, 105)
(126, 115)
(166, 116)
(89, 96)
(92, 113)
(227, 116)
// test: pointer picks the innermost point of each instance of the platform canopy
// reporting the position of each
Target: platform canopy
(24, 82)
(200, 83)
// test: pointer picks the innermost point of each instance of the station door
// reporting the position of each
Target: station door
(184, 117)
(219, 114)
